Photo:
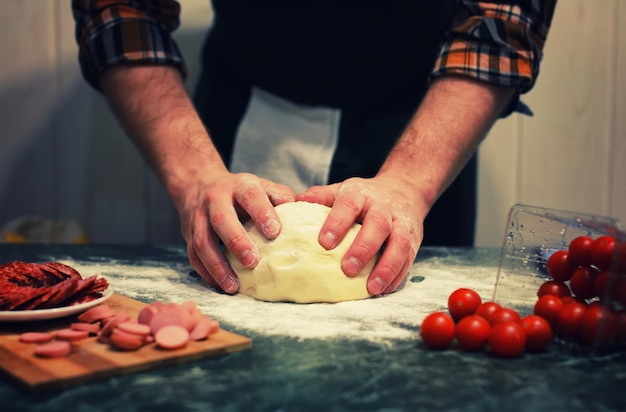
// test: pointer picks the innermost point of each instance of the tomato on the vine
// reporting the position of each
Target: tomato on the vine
(507, 339)
(504, 315)
(472, 332)
(602, 252)
(580, 250)
(538, 332)
(463, 302)
(582, 283)
(548, 307)
(559, 266)
(569, 318)
(553, 287)
(437, 330)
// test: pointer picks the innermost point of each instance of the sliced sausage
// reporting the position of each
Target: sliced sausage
(72, 334)
(53, 349)
(202, 329)
(92, 328)
(111, 323)
(36, 337)
(166, 318)
(96, 313)
(215, 327)
(126, 341)
(146, 314)
(134, 328)
(172, 337)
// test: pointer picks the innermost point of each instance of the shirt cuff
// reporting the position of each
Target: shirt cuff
(497, 64)
(128, 41)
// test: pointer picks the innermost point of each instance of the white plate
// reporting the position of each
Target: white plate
(42, 314)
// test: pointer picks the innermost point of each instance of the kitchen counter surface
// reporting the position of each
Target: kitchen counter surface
(362, 355)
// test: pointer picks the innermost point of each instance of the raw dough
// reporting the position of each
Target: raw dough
(294, 267)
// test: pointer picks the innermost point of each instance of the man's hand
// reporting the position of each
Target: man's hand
(441, 137)
(212, 209)
(157, 114)
(392, 217)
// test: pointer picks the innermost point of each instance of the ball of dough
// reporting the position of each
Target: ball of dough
(294, 267)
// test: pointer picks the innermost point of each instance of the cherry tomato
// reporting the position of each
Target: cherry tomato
(553, 287)
(580, 250)
(437, 330)
(620, 327)
(559, 266)
(620, 291)
(538, 332)
(463, 302)
(569, 318)
(621, 256)
(472, 332)
(600, 283)
(507, 339)
(598, 325)
(602, 252)
(486, 309)
(568, 299)
(548, 307)
(504, 315)
(581, 283)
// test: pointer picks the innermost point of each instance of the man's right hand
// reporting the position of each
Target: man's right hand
(157, 114)
(213, 209)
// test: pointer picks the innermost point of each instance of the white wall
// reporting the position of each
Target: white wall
(571, 154)
(62, 154)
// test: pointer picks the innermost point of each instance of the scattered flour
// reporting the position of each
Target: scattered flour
(382, 319)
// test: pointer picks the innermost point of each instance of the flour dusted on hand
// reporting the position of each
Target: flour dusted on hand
(294, 267)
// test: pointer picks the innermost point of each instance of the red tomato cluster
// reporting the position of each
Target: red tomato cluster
(574, 300)
(476, 325)
(570, 305)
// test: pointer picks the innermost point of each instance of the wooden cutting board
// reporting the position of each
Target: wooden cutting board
(91, 360)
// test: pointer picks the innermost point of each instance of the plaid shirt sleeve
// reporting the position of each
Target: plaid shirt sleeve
(500, 42)
(132, 31)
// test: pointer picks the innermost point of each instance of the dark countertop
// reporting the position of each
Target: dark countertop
(355, 356)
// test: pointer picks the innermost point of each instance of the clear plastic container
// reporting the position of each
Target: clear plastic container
(532, 235)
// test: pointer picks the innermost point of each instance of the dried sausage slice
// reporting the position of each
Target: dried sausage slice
(28, 286)
(65, 270)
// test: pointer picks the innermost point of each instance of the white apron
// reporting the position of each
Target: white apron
(285, 142)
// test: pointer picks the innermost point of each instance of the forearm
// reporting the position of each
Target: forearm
(154, 108)
(453, 119)
(158, 115)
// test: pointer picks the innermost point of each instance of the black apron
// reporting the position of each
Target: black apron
(370, 59)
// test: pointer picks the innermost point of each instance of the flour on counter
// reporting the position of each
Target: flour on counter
(392, 317)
